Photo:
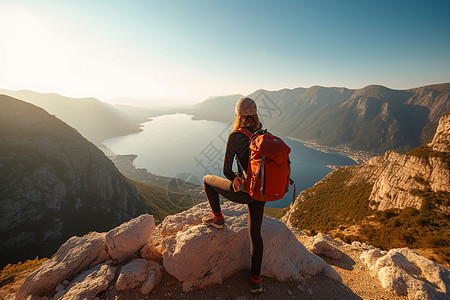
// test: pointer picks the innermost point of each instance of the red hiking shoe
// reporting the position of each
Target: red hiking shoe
(211, 219)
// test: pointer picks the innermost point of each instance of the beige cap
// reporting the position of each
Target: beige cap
(245, 107)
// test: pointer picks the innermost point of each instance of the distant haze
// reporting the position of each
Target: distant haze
(185, 51)
(155, 103)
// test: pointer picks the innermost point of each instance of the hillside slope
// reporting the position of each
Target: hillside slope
(390, 201)
(374, 118)
(95, 120)
(54, 184)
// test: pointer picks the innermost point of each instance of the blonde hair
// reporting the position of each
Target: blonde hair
(247, 121)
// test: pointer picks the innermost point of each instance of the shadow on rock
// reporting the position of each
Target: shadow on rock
(345, 262)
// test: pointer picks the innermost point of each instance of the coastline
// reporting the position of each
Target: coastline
(358, 156)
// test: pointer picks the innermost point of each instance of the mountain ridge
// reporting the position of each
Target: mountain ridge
(94, 119)
(54, 183)
(374, 118)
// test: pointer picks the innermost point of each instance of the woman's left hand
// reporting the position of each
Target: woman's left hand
(238, 184)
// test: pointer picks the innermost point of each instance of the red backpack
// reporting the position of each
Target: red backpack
(269, 167)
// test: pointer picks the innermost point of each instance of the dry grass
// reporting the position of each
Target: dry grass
(10, 271)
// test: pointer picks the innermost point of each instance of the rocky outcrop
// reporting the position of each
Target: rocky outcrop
(55, 184)
(77, 254)
(370, 257)
(402, 271)
(195, 254)
(441, 140)
(132, 274)
(129, 237)
(154, 277)
(198, 255)
(402, 177)
(81, 263)
(321, 246)
(88, 284)
(407, 273)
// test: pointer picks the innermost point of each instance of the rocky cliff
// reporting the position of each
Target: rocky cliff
(390, 201)
(399, 181)
(402, 180)
(54, 184)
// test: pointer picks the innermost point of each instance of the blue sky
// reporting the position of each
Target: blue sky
(189, 50)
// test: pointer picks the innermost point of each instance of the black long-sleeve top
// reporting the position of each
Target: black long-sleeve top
(237, 144)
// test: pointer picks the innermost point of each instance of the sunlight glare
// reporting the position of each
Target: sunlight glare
(43, 58)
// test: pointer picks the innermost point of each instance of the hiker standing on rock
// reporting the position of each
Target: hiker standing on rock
(232, 188)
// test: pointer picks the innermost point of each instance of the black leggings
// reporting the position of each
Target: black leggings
(214, 186)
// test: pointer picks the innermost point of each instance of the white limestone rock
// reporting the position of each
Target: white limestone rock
(130, 237)
(132, 274)
(441, 140)
(331, 273)
(75, 255)
(150, 252)
(322, 247)
(363, 246)
(405, 272)
(370, 257)
(199, 255)
(88, 284)
(155, 275)
(402, 283)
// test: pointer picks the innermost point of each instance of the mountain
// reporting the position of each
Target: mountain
(215, 108)
(54, 184)
(95, 120)
(390, 201)
(374, 118)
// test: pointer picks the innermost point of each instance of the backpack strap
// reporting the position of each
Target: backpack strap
(249, 134)
(240, 165)
(262, 168)
(245, 131)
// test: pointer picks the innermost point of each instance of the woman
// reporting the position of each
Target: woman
(231, 188)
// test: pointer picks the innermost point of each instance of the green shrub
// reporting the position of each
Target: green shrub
(332, 203)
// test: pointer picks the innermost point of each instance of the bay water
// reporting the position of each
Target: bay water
(178, 146)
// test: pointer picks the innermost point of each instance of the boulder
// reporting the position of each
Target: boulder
(370, 257)
(150, 252)
(130, 237)
(132, 274)
(88, 284)
(321, 246)
(155, 275)
(331, 273)
(198, 255)
(405, 272)
(402, 283)
(362, 246)
(75, 255)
